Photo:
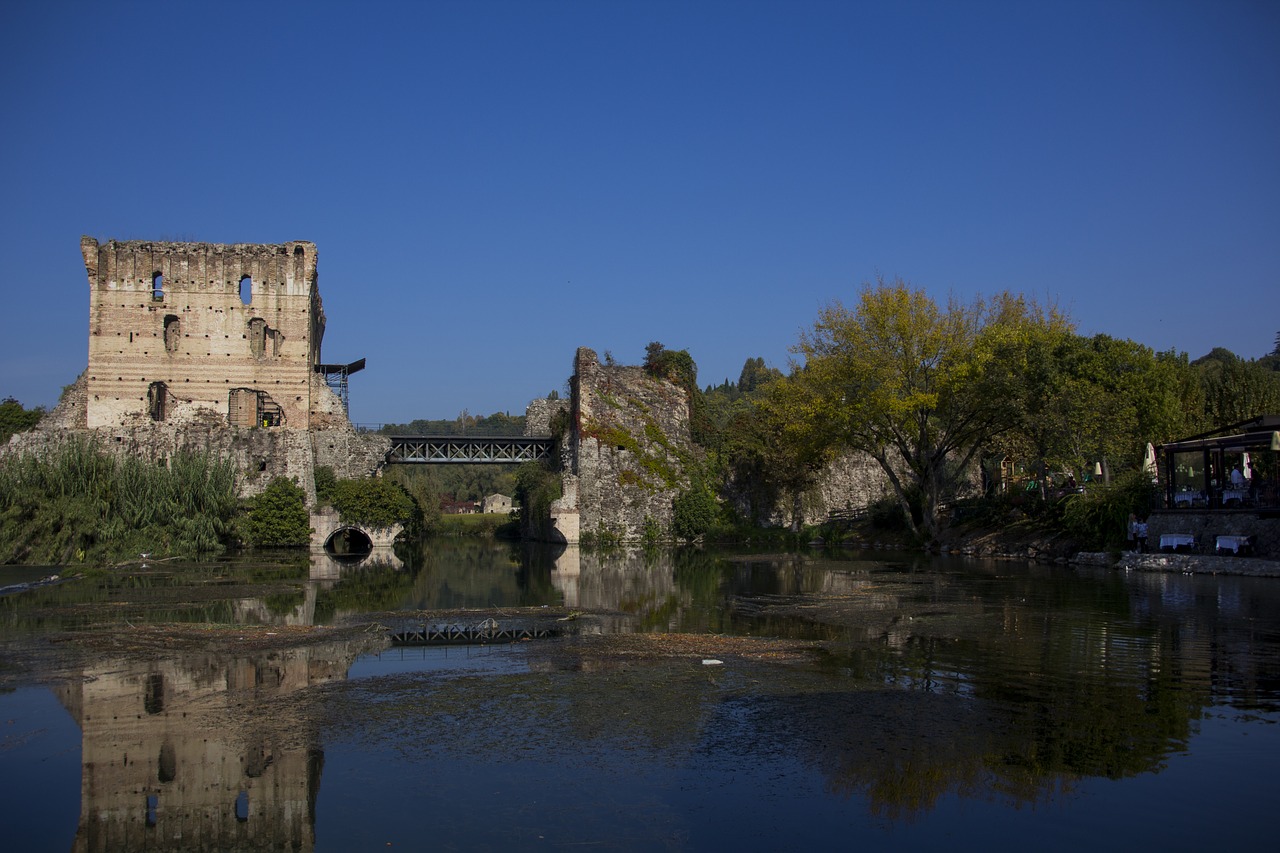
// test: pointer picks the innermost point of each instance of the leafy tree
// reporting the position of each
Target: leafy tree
(537, 487)
(918, 388)
(499, 423)
(15, 419)
(278, 516)
(375, 501)
(693, 511)
(1082, 400)
(755, 375)
(782, 447)
(1235, 389)
(420, 484)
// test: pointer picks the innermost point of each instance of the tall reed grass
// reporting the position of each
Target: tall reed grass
(80, 504)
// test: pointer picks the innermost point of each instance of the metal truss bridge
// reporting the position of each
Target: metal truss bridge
(471, 450)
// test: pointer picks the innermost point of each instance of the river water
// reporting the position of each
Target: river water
(861, 700)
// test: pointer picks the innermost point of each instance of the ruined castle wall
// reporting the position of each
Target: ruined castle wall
(539, 414)
(173, 313)
(631, 445)
(850, 484)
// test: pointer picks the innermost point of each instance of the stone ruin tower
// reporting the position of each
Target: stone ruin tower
(175, 328)
(209, 348)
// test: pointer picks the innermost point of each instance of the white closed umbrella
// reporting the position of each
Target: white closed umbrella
(1149, 461)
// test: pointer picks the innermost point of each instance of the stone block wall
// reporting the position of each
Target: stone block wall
(187, 323)
(630, 446)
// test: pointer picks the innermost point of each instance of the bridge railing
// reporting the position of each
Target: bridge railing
(462, 449)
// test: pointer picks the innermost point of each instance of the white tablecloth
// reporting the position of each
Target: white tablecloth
(1234, 495)
(1231, 543)
(1187, 498)
(1173, 540)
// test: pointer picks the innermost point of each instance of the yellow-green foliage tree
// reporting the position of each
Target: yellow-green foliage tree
(920, 388)
(785, 445)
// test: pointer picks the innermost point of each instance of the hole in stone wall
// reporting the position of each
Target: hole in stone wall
(257, 337)
(153, 701)
(157, 287)
(157, 400)
(167, 769)
(172, 332)
(246, 290)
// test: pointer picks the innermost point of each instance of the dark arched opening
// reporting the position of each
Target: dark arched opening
(349, 542)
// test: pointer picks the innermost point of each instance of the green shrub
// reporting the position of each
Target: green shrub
(652, 533)
(325, 481)
(277, 517)
(373, 502)
(1099, 517)
(694, 511)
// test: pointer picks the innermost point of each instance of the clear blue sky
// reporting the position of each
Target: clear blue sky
(493, 184)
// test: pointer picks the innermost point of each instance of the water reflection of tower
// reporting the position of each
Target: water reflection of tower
(176, 754)
(633, 584)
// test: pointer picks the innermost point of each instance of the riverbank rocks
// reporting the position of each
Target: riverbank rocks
(1182, 563)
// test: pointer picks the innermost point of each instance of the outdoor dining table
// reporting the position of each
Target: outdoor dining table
(1231, 543)
(1187, 498)
(1172, 541)
(1234, 495)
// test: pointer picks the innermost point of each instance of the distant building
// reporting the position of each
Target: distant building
(452, 507)
(498, 504)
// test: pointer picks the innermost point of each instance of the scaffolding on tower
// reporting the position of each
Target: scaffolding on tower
(335, 376)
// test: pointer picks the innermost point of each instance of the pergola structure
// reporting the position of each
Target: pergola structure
(1232, 468)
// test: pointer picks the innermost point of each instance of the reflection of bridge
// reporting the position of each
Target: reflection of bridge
(431, 449)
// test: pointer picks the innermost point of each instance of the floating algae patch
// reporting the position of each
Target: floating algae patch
(640, 692)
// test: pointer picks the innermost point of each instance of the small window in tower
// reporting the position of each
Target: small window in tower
(246, 290)
(172, 332)
(157, 287)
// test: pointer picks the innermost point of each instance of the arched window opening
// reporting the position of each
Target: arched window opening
(246, 290)
(153, 805)
(172, 332)
(242, 807)
(297, 250)
(157, 287)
